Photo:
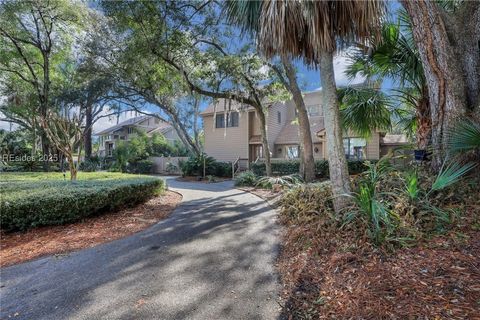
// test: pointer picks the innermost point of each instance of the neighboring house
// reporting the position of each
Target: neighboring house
(128, 129)
(237, 134)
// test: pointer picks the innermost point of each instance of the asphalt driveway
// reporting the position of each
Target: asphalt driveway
(211, 259)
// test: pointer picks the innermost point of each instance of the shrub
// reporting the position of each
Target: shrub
(287, 167)
(194, 167)
(140, 166)
(90, 165)
(40, 200)
(221, 169)
(283, 181)
(246, 179)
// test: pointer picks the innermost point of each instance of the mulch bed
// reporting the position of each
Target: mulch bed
(19, 247)
(439, 279)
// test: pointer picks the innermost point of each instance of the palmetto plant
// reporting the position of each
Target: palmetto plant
(394, 55)
(464, 136)
(284, 181)
(364, 110)
(369, 202)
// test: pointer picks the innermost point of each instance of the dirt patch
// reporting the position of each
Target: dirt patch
(19, 247)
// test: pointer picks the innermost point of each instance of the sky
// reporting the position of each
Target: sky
(308, 78)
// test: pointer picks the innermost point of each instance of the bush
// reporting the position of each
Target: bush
(221, 169)
(283, 181)
(46, 199)
(90, 165)
(246, 179)
(288, 167)
(140, 166)
(194, 167)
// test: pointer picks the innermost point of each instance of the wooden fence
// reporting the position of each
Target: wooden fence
(167, 165)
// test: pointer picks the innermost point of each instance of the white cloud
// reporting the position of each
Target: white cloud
(340, 63)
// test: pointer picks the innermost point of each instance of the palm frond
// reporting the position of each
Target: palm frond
(450, 174)
(365, 110)
(464, 136)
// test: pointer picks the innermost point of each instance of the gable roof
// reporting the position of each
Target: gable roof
(128, 122)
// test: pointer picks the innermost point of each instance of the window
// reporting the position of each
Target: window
(232, 120)
(292, 152)
(279, 117)
(130, 130)
(313, 110)
(115, 136)
(354, 148)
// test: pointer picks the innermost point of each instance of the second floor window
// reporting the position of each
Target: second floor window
(279, 117)
(130, 130)
(232, 120)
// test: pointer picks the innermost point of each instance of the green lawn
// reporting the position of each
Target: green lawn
(36, 198)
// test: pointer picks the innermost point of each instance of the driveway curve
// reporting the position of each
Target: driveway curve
(213, 258)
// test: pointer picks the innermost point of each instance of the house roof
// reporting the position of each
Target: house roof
(290, 133)
(394, 139)
(128, 122)
(220, 106)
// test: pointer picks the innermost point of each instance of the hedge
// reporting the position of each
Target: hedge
(30, 203)
(287, 167)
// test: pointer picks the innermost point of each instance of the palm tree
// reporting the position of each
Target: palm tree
(394, 55)
(364, 110)
(312, 30)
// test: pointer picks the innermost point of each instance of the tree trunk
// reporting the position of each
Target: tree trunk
(446, 75)
(72, 167)
(307, 163)
(337, 162)
(424, 121)
(88, 132)
(183, 134)
(266, 148)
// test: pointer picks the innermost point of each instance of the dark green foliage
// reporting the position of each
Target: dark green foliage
(194, 167)
(288, 167)
(246, 179)
(140, 166)
(25, 204)
(90, 165)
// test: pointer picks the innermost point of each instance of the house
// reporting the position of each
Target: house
(235, 133)
(128, 129)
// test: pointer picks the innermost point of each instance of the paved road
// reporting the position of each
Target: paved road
(211, 259)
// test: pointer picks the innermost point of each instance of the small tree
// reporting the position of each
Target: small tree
(65, 133)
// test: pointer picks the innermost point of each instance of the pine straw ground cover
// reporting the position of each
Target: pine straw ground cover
(17, 247)
(337, 273)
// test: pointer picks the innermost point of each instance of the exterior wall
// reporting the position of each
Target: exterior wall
(273, 127)
(226, 144)
(373, 146)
